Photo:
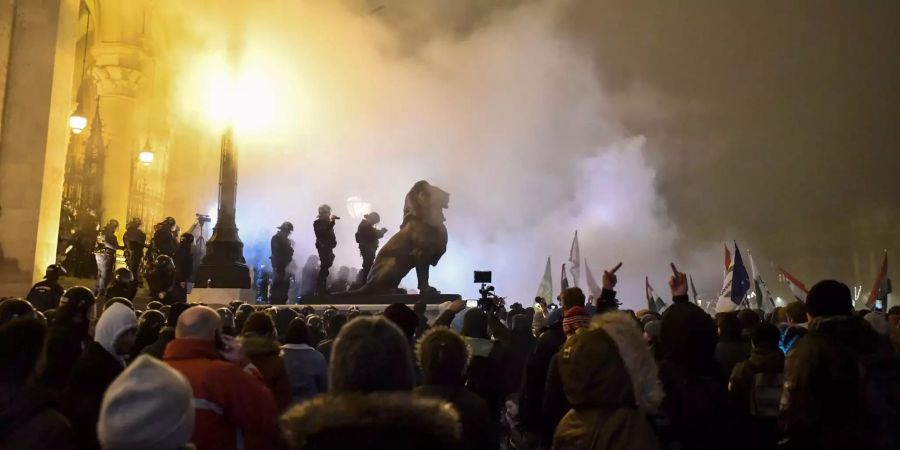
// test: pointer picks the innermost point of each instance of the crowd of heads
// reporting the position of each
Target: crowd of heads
(104, 374)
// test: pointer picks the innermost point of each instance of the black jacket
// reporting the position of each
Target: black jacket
(158, 348)
(367, 236)
(164, 241)
(184, 264)
(45, 295)
(92, 374)
(324, 229)
(30, 419)
(282, 252)
(473, 414)
(535, 377)
(822, 404)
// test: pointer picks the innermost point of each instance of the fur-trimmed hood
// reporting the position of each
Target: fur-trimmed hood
(258, 346)
(382, 420)
(609, 365)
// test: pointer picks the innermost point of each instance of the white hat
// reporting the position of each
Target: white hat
(148, 406)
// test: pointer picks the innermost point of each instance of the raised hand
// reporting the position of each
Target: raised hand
(678, 282)
(609, 277)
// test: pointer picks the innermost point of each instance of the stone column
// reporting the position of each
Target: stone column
(118, 77)
(38, 87)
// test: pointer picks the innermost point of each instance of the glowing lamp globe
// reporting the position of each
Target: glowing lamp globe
(77, 123)
(145, 157)
(358, 207)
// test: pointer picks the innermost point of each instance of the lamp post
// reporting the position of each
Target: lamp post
(224, 266)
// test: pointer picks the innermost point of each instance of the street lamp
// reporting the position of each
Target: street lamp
(77, 121)
(358, 207)
(146, 155)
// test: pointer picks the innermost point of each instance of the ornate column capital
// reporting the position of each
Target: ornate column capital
(117, 69)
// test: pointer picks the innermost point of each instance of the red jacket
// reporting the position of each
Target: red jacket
(233, 409)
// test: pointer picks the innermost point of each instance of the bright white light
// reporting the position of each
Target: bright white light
(246, 100)
(145, 157)
(358, 207)
(77, 123)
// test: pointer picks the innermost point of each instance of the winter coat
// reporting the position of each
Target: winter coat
(610, 379)
(264, 353)
(535, 378)
(697, 401)
(822, 404)
(92, 374)
(379, 421)
(30, 420)
(484, 374)
(516, 352)
(729, 353)
(45, 295)
(231, 405)
(473, 414)
(324, 348)
(158, 348)
(307, 371)
(756, 386)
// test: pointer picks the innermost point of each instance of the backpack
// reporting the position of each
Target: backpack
(765, 394)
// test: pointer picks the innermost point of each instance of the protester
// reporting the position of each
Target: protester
(369, 405)
(732, 347)
(443, 355)
(283, 319)
(149, 406)
(516, 351)
(610, 379)
(405, 318)
(696, 400)
(535, 378)
(333, 325)
(102, 361)
(29, 417)
(539, 320)
(45, 294)
(167, 334)
(261, 346)
(756, 386)
(307, 369)
(821, 405)
(422, 327)
(232, 404)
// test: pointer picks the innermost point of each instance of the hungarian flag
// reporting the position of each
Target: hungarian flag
(654, 303)
(545, 288)
(727, 258)
(591, 282)
(563, 280)
(881, 288)
(575, 261)
(797, 288)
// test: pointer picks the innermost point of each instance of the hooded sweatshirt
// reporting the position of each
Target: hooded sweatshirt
(116, 320)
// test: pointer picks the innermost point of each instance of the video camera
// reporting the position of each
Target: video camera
(489, 301)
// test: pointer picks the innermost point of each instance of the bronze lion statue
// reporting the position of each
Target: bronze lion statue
(420, 243)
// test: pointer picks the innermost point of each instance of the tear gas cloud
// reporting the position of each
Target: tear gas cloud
(512, 119)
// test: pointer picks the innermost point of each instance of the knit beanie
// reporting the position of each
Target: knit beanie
(148, 406)
(574, 318)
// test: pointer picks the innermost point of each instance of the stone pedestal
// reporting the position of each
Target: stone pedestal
(222, 296)
(37, 82)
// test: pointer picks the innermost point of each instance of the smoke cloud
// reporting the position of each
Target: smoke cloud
(510, 116)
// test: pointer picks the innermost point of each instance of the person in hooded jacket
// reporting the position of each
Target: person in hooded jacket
(370, 404)
(443, 355)
(102, 361)
(611, 380)
(732, 347)
(484, 376)
(29, 416)
(261, 345)
(821, 405)
(307, 369)
(697, 400)
(756, 386)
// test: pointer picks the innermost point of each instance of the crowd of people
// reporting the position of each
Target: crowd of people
(89, 374)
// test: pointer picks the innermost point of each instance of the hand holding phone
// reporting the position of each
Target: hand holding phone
(609, 277)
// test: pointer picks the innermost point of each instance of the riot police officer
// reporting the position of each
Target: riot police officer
(326, 241)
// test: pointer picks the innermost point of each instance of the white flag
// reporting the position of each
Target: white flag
(591, 281)
(545, 288)
(575, 262)
(760, 289)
